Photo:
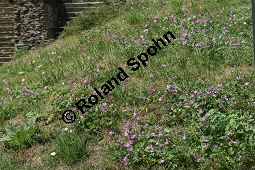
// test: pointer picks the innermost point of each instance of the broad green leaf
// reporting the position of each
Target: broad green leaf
(6, 138)
(21, 135)
(32, 130)
(10, 130)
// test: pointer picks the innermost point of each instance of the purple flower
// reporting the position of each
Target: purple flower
(82, 116)
(138, 118)
(127, 129)
(184, 42)
(161, 98)
(197, 158)
(104, 107)
(206, 139)
(238, 77)
(156, 19)
(219, 86)
(188, 102)
(147, 136)
(8, 89)
(127, 145)
(152, 90)
(29, 91)
(110, 133)
(160, 134)
(184, 38)
(212, 91)
(133, 137)
(200, 111)
(224, 30)
(165, 18)
(86, 80)
(125, 161)
(204, 145)
(174, 19)
(184, 35)
(204, 21)
(24, 89)
(225, 97)
(171, 89)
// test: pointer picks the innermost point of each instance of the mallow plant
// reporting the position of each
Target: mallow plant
(20, 136)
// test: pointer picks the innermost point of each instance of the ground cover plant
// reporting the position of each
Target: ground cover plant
(192, 107)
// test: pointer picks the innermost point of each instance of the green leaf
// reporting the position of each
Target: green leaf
(6, 138)
(21, 136)
(166, 130)
(10, 130)
(14, 142)
(32, 130)
(32, 120)
(151, 141)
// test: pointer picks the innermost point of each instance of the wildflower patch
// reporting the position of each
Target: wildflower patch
(133, 63)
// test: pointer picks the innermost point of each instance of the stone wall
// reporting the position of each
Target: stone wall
(32, 23)
(34, 20)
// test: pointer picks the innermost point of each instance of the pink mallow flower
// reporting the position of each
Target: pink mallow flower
(24, 89)
(110, 133)
(128, 146)
(8, 89)
(125, 161)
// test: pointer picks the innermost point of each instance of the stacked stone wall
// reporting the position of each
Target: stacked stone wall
(33, 22)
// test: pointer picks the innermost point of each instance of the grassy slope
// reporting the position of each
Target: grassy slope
(92, 53)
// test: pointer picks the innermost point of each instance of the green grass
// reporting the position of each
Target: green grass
(163, 94)
(71, 148)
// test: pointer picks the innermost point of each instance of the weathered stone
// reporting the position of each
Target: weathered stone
(32, 23)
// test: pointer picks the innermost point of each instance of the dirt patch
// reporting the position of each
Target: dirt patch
(229, 71)
(18, 121)
(33, 155)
